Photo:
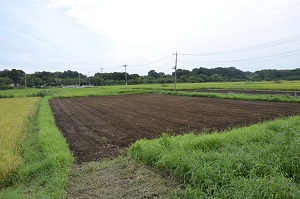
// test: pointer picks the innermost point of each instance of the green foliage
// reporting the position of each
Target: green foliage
(41, 93)
(7, 96)
(260, 161)
(11, 76)
(4, 83)
(289, 135)
(218, 74)
(47, 161)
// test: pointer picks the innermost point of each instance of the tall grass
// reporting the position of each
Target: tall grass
(47, 161)
(14, 116)
(260, 161)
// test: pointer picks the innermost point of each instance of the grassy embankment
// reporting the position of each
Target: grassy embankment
(46, 160)
(260, 161)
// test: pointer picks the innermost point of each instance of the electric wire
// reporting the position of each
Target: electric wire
(272, 57)
(250, 48)
(162, 59)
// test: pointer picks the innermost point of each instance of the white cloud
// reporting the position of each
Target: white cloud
(165, 22)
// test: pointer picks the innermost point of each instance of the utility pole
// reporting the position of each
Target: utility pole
(175, 71)
(125, 75)
(101, 77)
(89, 80)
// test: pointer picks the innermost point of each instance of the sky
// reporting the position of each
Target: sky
(85, 36)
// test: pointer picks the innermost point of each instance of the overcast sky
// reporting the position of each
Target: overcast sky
(58, 35)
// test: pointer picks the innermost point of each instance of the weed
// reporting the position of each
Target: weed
(289, 135)
(241, 163)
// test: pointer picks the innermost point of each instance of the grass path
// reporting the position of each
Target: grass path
(119, 178)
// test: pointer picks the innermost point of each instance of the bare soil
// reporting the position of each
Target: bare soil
(104, 127)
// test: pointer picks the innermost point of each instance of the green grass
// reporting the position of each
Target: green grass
(260, 161)
(70, 92)
(271, 85)
(161, 89)
(113, 90)
(47, 161)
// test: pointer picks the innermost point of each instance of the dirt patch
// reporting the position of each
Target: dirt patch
(104, 127)
(120, 178)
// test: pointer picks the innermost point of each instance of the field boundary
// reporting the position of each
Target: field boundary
(47, 160)
(233, 96)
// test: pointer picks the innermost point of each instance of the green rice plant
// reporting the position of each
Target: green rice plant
(260, 161)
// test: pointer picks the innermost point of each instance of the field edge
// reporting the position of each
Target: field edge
(47, 160)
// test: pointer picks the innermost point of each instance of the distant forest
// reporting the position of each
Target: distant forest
(14, 77)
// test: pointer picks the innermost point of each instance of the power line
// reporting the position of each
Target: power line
(283, 55)
(162, 59)
(156, 61)
(113, 67)
(250, 48)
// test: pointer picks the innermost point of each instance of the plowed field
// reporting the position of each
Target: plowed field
(103, 127)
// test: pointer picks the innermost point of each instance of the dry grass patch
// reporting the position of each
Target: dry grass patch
(120, 178)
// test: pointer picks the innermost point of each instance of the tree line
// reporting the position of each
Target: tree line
(15, 77)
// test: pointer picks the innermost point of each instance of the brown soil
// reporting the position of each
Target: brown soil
(104, 127)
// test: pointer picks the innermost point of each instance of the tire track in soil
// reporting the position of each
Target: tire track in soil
(103, 127)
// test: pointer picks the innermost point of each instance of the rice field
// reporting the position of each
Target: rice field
(14, 116)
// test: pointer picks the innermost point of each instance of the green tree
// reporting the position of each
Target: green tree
(193, 79)
(216, 78)
(182, 79)
(153, 74)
